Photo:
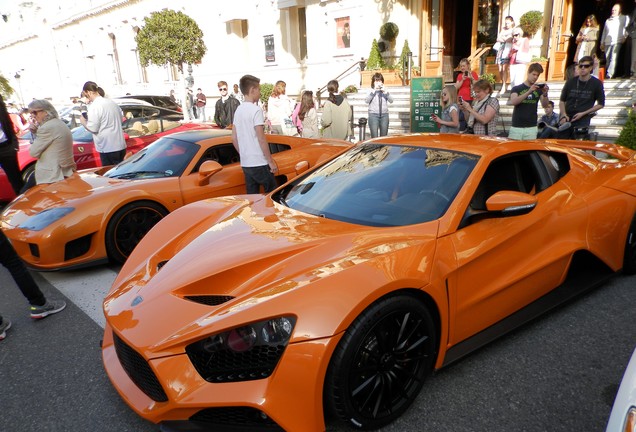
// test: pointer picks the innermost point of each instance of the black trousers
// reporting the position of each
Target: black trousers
(9, 163)
(10, 259)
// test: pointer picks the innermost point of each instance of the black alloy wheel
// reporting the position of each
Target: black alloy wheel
(129, 225)
(381, 362)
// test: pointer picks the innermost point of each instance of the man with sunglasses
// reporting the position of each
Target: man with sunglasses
(225, 107)
(581, 97)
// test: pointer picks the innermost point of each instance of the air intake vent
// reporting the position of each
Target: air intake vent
(161, 264)
(210, 300)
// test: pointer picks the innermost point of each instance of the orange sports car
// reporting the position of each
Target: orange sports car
(342, 290)
(102, 214)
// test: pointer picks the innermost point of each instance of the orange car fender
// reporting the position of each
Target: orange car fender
(611, 213)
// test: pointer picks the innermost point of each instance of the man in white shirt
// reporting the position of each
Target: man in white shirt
(614, 35)
(248, 137)
(104, 121)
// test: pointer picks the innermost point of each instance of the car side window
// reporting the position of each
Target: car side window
(276, 147)
(515, 172)
(556, 164)
(224, 154)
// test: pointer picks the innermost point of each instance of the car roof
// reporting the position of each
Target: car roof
(197, 135)
(131, 101)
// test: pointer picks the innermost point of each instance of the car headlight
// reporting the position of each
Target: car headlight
(630, 420)
(245, 353)
(45, 218)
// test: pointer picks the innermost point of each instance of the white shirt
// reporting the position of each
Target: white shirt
(279, 108)
(104, 122)
(247, 116)
(615, 30)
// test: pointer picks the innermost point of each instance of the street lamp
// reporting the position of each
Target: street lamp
(17, 76)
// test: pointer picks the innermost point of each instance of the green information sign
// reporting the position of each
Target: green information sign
(425, 94)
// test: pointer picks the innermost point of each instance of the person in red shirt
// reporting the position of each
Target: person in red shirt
(464, 84)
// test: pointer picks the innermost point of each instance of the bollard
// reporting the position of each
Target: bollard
(362, 124)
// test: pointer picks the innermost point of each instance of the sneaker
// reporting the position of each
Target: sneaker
(6, 325)
(49, 308)
(564, 126)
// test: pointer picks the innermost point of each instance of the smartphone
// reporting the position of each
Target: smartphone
(465, 73)
(461, 100)
(541, 86)
(85, 115)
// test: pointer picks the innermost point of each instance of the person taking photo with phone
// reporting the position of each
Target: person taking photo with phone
(378, 100)
(464, 84)
(525, 98)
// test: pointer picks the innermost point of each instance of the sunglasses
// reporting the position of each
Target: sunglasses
(516, 35)
(587, 65)
(222, 88)
(34, 112)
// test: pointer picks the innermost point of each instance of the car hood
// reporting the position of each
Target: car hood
(70, 192)
(238, 258)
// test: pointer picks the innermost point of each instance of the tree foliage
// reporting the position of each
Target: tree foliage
(5, 88)
(375, 60)
(170, 37)
(627, 136)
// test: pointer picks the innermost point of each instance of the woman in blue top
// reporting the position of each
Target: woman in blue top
(378, 101)
(449, 122)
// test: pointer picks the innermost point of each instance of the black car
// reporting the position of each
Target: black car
(158, 101)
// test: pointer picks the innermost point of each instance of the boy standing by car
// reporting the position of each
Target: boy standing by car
(525, 98)
(248, 137)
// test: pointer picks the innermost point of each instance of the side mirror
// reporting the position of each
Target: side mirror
(207, 170)
(510, 203)
(301, 167)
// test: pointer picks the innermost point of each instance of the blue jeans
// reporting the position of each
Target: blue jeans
(378, 122)
(259, 176)
(23, 279)
(201, 113)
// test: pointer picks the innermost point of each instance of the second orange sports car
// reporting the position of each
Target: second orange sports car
(101, 214)
(344, 289)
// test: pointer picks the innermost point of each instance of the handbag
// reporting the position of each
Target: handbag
(497, 46)
(289, 128)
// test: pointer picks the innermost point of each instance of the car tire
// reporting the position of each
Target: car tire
(381, 362)
(129, 225)
(27, 173)
(629, 259)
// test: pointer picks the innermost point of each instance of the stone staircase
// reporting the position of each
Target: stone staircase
(619, 96)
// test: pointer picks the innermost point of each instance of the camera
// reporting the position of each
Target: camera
(541, 86)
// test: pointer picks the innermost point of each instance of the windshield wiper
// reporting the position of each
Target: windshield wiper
(134, 174)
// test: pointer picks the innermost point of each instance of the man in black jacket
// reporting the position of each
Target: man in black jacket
(9, 149)
(225, 107)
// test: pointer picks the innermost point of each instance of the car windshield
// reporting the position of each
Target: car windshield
(382, 185)
(80, 134)
(166, 157)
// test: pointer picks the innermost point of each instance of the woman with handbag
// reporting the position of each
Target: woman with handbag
(484, 113)
(279, 109)
(519, 57)
(503, 47)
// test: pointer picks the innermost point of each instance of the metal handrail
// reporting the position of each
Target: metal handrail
(359, 64)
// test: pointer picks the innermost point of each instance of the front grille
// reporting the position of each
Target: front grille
(139, 371)
(229, 366)
(210, 300)
(238, 417)
(78, 247)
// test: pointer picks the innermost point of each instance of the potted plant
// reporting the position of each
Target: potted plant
(627, 135)
(544, 62)
(531, 22)
(402, 64)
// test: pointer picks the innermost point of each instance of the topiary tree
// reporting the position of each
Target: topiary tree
(531, 22)
(627, 136)
(375, 61)
(266, 92)
(402, 63)
(389, 31)
(170, 38)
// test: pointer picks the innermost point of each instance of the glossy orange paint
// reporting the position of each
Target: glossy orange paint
(271, 260)
(96, 199)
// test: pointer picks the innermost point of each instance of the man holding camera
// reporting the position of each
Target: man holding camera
(525, 98)
(577, 103)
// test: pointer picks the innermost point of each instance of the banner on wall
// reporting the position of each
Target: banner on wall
(425, 101)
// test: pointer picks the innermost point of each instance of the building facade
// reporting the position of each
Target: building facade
(50, 48)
